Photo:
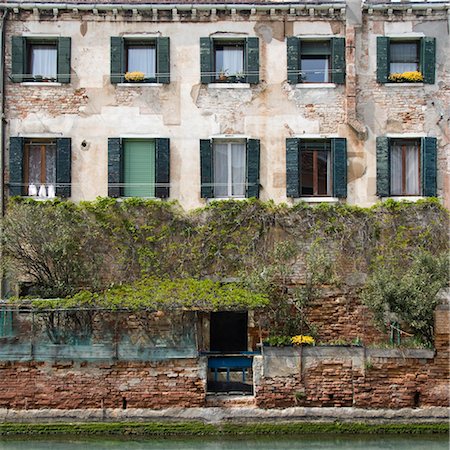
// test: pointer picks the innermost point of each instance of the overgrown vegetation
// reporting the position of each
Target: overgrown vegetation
(144, 253)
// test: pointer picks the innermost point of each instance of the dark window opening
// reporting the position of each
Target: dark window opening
(228, 332)
(315, 161)
(404, 57)
(405, 167)
(315, 61)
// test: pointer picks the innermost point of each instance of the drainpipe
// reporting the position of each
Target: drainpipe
(2, 134)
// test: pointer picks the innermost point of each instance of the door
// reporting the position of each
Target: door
(228, 332)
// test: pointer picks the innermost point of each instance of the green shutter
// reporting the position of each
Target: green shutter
(162, 169)
(252, 168)
(18, 55)
(293, 59)
(117, 59)
(6, 323)
(15, 166)
(382, 59)
(339, 155)
(206, 168)
(383, 167)
(163, 63)
(63, 72)
(338, 60)
(63, 167)
(252, 60)
(139, 168)
(292, 168)
(429, 166)
(207, 60)
(428, 59)
(115, 166)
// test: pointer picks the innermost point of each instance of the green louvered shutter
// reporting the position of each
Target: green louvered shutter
(293, 59)
(6, 323)
(63, 167)
(206, 168)
(15, 166)
(338, 60)
(117, 59)
(429, 166)
(206, 60)
(339, 155)
(382, 59)
(292, 168)
(163, 63)
(18, 55)
(252, 168)
(64, 44)
(139, 172)
(252, 58)
(383, 167)
(115, 167)
(162, 168)
(428, 59)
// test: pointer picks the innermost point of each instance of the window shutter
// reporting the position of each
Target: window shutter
(382, 59)
(15, 165)
(292, 168)
(339, 155)
(6, 323)
(117, 59)
(338, 60)
(293, 59)
(63, 167)
(252, 168)
(206, 168)
(63, 71)
(429, 166)
(383, 167)
(206, 60)
(18, 52)
(252, 53)
(428, 59)
(163, 63)
(162, 167)
(115, 167)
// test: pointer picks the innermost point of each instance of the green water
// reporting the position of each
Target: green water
(372, 442)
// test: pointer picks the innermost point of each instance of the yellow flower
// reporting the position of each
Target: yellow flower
(300, 339)
(408, 77)
(134, 76)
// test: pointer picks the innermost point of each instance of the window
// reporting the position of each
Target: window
(316, 61)
(397, 58)
(41, 60)
(229, 168)
(40, 167)
(138, 167)
(229, 60)
(316, 167)
(149, 57)
(6, 323)
(406, 167)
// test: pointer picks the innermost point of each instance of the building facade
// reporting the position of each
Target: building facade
(314, 101)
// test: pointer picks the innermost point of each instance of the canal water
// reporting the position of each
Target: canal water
(328, 442)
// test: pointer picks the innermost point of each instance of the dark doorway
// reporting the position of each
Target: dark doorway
(228, 332)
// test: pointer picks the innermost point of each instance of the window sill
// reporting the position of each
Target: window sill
(229, 86)
(41, 83)
(402, 198)
(403, 84)
(315, 85)
(317, 199)
(139, 84)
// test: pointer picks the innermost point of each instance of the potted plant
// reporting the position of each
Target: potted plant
(134, 77)
(406, 77)
(223, 75)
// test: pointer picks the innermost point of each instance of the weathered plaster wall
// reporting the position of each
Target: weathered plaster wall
(92, 109)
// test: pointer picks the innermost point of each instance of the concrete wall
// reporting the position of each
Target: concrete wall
(91, 109)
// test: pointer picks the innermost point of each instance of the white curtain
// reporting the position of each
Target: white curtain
(142, 59)
(403, 57)
(396, 170)
(43, 61)
(220, 170)
(238, 155)
(230, 60)
(412, 170)
(411, 164)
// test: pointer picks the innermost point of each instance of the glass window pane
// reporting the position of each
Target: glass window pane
(412, 170)
(396, 170)
(314, 69)
(323, 173)
(34, 164)
(142, 59)
(229, 59)
(220, 170)
(404, 57)
(43, 61)
(238, 156)
(307, 177)
(315, 48)
(50, 163)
